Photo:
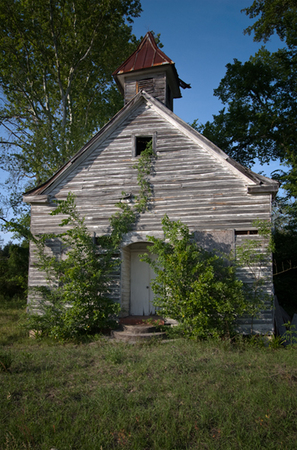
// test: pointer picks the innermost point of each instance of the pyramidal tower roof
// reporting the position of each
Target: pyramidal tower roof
(149, 62)
(145, 56)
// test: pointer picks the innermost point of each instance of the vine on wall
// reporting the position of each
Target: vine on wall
(144, 169)
(122, 221)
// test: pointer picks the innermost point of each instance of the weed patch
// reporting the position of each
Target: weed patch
(10, 329)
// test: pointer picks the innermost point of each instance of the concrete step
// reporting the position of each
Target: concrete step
(139, 329)
(134, 337)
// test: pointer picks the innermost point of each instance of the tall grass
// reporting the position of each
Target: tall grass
(11, 316)
(177, 395)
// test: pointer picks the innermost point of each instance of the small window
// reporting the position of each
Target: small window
(242, 232)
(141, 144)
(140, 141)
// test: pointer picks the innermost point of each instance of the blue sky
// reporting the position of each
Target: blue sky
(201, 37)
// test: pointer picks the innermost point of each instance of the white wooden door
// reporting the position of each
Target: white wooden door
(142, 295)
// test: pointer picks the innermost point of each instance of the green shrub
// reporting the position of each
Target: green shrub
(76, 299)
(197, 288)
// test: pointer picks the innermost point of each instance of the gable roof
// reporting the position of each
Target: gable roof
(256, 183)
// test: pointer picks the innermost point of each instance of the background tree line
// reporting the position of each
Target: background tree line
(14, 272)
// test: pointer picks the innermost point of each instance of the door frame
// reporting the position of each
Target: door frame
(125, 285)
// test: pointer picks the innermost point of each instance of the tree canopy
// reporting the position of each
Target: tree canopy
(260, 114)
(274, 16)
(57, 57)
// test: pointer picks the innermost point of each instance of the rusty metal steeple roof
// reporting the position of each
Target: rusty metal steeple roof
(145, 56)
(148, 57)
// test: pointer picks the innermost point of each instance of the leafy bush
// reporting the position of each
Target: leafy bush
(76, 299)
(197, 288)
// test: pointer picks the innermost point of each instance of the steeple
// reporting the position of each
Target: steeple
(149, 69)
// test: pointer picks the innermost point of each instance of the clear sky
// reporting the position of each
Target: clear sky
(201, 37)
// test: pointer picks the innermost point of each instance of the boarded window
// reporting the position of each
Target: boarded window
(147, 85)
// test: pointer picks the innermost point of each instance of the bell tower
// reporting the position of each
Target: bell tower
(149, 69)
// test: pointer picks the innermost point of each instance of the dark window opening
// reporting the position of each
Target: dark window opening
(241, 232)
(142, 143)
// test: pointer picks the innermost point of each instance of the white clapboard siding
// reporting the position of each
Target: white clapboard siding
(190, 183)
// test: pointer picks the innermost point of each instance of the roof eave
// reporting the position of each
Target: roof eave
(261, 184)
(256, 178)
(38, 190)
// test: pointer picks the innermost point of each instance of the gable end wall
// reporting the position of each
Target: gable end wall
(189, 184)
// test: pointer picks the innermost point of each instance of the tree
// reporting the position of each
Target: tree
(14, 271)
(257, 122)
(197, 288)
(276, 16)
(56, 61)
(260, 116)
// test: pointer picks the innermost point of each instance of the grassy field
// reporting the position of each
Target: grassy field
(176, 395)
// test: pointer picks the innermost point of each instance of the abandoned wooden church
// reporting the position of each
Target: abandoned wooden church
(193, 180)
